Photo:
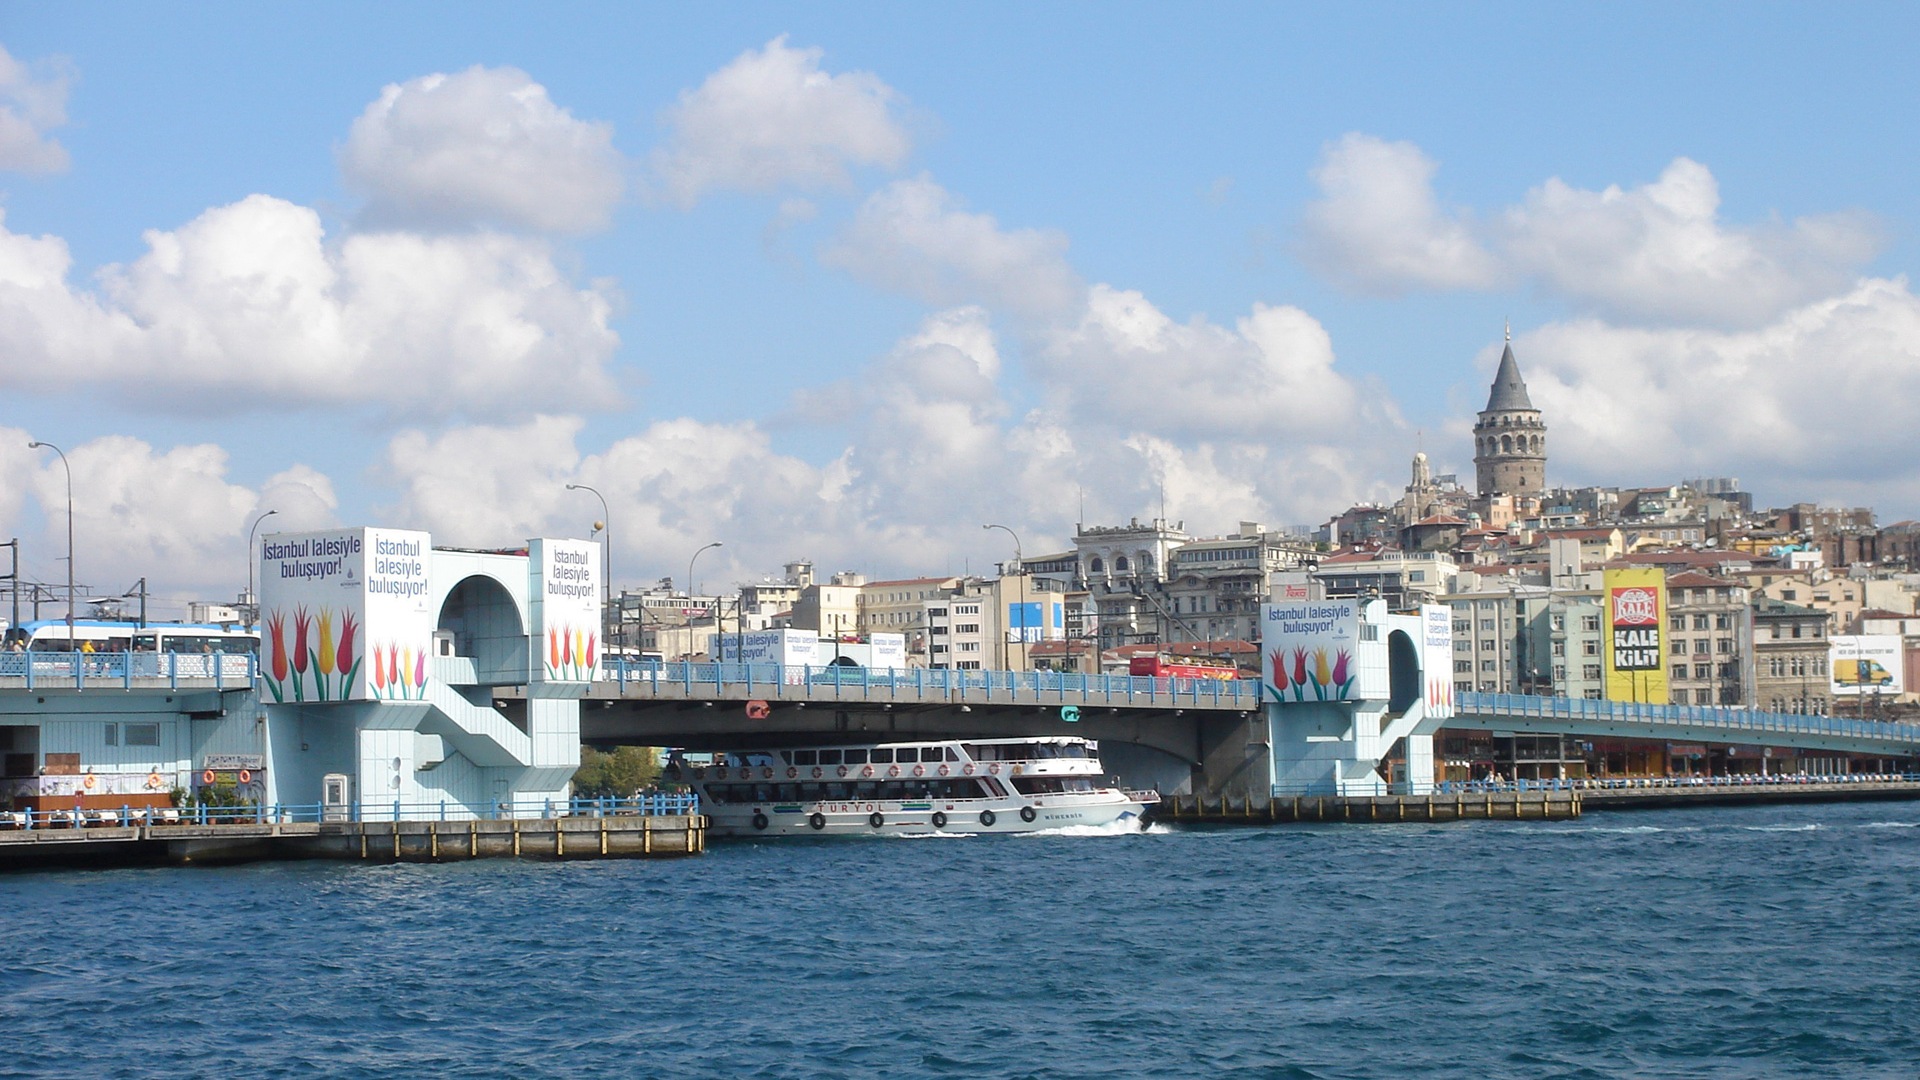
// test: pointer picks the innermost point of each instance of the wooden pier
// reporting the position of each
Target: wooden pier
(612, 836)
(1250, 810)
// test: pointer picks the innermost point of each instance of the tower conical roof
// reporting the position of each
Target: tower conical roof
(1509, 389)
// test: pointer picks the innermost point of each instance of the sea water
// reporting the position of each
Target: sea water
(1740, 942)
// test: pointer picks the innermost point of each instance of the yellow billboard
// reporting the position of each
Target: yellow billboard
(1636, 647)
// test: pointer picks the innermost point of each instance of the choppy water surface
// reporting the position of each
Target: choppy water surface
(1735, 942)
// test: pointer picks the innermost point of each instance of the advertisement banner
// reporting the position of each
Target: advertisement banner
(1866, 664)
(793, 648)
(1311, 651)
(889, 651)
(1031, 621)
(565, 610)
(344, 614)
(1636, 649)
(1436, 658)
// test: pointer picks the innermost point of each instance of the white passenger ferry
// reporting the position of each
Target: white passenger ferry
(961, 786)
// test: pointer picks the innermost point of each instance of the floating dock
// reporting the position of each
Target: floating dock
(572, 837)
(1497, 806)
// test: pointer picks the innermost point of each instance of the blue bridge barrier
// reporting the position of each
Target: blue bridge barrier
(78, 670)
(1731, 722)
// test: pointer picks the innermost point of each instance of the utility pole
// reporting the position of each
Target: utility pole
(13, 583)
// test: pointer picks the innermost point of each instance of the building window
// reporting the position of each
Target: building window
(143, 734)
(1703, 697)
(1590, 647)
(1724, 645)
(1679, 671)
(1590, 671)
(1589, 622)
(113, 730)
(1703, 671)
(1676, 622)
(1486, 665)
(1700, 622)
(1462, 667)
(1723, 621)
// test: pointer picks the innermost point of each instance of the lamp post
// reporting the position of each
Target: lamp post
(253, 605)
(1020, 562)
(690, 591)
(69, 471)
(605, 525)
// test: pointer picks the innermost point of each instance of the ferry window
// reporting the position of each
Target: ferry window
(836, 792)
(883, 757)
(856, 757)
(829, 757)
(762, 793)
(787, 792)
(804, 757)
(993, 787)
(865, 789)
(952, 754)
(893, 790)
(143, 734)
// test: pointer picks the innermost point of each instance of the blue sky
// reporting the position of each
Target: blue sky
(844, 281)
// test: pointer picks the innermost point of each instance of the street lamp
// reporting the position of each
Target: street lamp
(605, 525)
(691, 590)
(1020, 562)
(69, 470)
(253, 605)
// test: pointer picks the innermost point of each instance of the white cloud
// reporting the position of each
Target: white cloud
(1657, 252)
(914, 236)
(483, 146)
(249, 304)
(31, 106)
(1660, 251)
(772, 119)
(1818, 400)
(1379, 226)
(170, 516)
(1270, 376)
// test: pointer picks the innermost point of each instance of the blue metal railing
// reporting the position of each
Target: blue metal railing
(1719, 717)
(1043, 687)
(649, 804)
(1630, 783)
(81, 669)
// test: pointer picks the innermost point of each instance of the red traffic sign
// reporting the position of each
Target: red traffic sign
(758, 710)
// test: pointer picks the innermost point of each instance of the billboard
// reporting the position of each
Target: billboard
(1311, 651)
(1636, 649)
(344, 614)
(1436, 658)
(794, 648)
(565, 609)
(1866, 664)
(1032, 621)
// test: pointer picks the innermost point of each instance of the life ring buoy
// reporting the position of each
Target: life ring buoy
(868, 771)
(875, 820)
(154, 781)
(90, 782)
(1027, 814)
(919, 770)
(987, 818)
(994, 768)
(818, 822)
(967, 768)
(246, 776)
(207, 777)
(843, 770)
(791, 773)
(718, 774)
(945, 771)
(816, 772)
(766, 774)
(939, 820)
(893, 770)
(759, 820)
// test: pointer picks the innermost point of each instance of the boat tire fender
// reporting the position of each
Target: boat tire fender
(986, 818)
(874, 819)
(759, 820)
(818, 821)
(1027, 814)
(939, 820)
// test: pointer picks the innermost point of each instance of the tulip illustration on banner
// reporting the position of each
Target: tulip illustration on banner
(323, 655)
(1328, 679)
(570, 653)
(277, 654)
(301, 622)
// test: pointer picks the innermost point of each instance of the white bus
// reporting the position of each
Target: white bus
(118, 636)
